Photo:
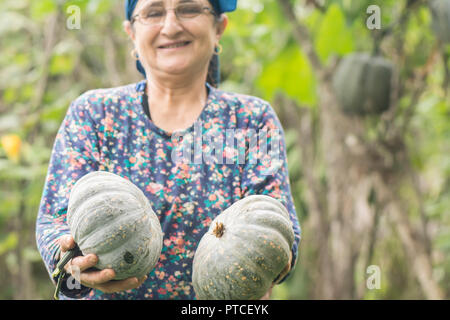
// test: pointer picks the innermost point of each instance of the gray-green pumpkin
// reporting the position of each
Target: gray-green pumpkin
(111, 217)
(440, 10)
(245, 250)
(362, 84)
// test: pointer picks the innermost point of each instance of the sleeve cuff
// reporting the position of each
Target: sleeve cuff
(71, 288)
(293, 262)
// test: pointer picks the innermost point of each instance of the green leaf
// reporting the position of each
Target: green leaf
(99, 7)
(31, 254)
(292, 73)
(443, 241)
(8, 243)
(42, 8)
(10, 95)
(280, 292)
(334, 37)
(12, 263)
(62, 64)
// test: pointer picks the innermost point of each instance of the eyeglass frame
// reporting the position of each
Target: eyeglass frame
(137, 15)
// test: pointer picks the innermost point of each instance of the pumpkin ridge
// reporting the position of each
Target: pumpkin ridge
(95, 201)
(254, 212)
(257, 202)
(283, 244)
(281, 226)
(131, 268)
(204, 288)
(125, 222)
(100, 188)
(105, 253)
(105, 175)
(261, 212)
(214, 270)
(110, 180)
(264, 200)
(83, 213)
(284, 234)
(283, 241)
(106, 186)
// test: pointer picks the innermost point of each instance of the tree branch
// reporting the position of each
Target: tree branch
(446, 81)
(49, 44)
(316, 5)
(419, 196)
(415, 250)
(111, 60)
(418, 88)
(410, 5)
(50, 40)
(302, 36)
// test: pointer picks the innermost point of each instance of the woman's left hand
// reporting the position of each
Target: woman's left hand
(268, 293)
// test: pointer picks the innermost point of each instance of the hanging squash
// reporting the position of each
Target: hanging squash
(111, 217)
(440, 10)
(245, 250)
(362, 84)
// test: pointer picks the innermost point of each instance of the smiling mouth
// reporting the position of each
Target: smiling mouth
(178, 45)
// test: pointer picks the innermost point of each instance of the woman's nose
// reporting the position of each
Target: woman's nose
(170, 23)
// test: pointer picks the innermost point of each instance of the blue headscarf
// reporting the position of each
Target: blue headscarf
(220, 6)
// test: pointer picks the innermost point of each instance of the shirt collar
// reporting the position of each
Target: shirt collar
(140, 87)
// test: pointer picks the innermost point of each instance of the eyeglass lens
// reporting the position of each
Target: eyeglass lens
(155, 12)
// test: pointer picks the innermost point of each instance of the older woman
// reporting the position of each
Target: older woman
(130, 131)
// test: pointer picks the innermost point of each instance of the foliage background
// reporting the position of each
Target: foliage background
(44, 66)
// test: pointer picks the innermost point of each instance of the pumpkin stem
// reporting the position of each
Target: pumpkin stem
(219, 229)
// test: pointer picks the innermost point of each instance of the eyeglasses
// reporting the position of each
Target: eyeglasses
(153, 15)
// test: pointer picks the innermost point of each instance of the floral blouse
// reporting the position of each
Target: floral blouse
(109, 130)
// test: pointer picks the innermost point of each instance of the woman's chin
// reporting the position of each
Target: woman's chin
(174, 69)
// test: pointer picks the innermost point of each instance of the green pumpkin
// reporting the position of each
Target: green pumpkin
(245, 250)
(440, 10)
(362, 84)
(111, 217)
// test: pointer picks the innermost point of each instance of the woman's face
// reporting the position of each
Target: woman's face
(201, 34)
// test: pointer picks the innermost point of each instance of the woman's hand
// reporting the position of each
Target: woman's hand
(268, 293)
(97, 279)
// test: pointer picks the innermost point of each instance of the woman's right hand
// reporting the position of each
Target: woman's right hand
(97, 279)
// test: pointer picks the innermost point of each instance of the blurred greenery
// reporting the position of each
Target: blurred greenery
(44, 66)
